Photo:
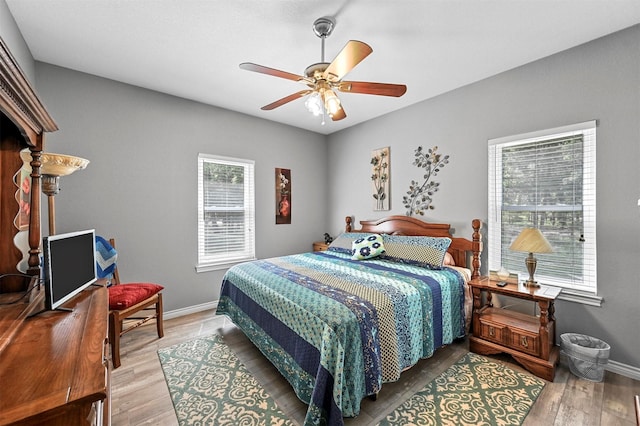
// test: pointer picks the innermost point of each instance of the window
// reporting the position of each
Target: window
(226, 211)
(546, 180)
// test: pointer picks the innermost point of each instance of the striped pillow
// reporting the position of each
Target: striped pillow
(429, 251)
(343, 243)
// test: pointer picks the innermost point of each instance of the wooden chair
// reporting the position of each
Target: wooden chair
(136, 303)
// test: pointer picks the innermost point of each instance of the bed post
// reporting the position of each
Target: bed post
(477, 248)
(347, 227)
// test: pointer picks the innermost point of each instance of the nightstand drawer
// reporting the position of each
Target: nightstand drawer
(320, 246)
(524, 341)
(493, 331)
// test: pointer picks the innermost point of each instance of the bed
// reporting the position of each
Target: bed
(338, 324)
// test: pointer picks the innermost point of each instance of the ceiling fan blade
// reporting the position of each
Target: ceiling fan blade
(339, 115)
(270, 71)
(351, 55)
(286, 99)
(367, 88)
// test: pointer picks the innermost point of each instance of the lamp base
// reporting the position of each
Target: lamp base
(531, 262)
(531, 283)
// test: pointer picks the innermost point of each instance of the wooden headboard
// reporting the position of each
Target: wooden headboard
(460, 248)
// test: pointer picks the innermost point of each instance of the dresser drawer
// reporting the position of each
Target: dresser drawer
(492, 331)
(524, 341)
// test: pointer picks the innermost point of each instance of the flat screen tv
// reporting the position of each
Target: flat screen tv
(69, 265)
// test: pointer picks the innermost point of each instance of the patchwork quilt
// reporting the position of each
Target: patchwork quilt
(338, 328)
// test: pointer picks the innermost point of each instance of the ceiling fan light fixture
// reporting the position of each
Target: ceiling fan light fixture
(331, 102)
(314, 104)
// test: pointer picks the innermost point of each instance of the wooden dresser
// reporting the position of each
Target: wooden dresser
(54, 367)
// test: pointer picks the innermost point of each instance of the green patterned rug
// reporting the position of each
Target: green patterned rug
(474, 391)
(210, 386)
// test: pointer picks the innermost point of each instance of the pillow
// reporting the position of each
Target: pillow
(448, 260)
(106, 257)
(423, 251)
(123, 296)
(367, 247)
(343, 243)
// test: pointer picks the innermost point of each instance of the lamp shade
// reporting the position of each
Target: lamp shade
(55, 164)
(531, 240)
(314, 103)
(331, 102)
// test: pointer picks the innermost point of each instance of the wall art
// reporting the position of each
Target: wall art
(418, 198)
(380, 169)
(283, 196)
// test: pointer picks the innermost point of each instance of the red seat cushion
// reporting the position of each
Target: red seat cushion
(125, 295)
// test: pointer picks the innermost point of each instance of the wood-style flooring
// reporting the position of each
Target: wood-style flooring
(139, 394)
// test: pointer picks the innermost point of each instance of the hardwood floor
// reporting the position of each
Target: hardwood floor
(140, 395)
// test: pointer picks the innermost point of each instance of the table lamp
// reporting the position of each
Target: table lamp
(531, 240)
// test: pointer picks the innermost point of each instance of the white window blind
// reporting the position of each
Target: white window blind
(226, 211)
(546, 180)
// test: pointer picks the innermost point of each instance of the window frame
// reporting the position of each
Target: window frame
(582, 293)
(223, 261)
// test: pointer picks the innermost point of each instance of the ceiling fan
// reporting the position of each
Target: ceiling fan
(323, 79)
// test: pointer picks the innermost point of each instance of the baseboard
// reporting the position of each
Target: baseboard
(623, 369)
(190, 310)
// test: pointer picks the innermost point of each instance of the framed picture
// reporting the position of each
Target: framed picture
(380, 174)
(22, 180)
(283, 196)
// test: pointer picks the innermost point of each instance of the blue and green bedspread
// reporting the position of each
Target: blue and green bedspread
(336, 328)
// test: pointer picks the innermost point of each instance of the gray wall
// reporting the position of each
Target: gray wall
(599, 80)
(141, 183)
(13, 38)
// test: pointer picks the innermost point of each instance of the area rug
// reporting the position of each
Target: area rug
(210, 386)
(474, 391)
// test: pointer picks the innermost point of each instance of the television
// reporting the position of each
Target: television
(69, 266)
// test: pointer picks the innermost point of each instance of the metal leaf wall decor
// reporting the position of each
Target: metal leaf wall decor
(418, 198)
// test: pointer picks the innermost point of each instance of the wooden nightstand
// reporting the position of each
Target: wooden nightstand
(529, 339)
(320, 246)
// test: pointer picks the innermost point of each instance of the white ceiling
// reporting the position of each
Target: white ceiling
(192, 48)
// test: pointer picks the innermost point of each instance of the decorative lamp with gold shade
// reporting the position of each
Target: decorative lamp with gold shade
(531, 240)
